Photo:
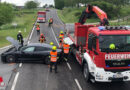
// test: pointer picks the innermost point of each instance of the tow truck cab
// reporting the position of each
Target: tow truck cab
(41, 16)
(92, 46)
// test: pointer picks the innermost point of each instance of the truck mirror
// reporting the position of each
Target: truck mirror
(90, 43)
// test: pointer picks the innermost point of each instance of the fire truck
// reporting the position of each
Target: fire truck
(91, 45)
(41, 16)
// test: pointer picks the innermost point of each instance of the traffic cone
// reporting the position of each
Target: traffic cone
(1, 79)
(2, 84)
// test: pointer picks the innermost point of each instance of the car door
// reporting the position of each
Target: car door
(27, 53)
(41, 52)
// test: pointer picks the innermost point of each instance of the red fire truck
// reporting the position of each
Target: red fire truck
(41, 16)
(91, 45)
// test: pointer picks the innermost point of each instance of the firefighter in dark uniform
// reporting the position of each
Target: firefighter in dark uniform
(20, 38)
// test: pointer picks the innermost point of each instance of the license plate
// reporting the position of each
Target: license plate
(117, 76)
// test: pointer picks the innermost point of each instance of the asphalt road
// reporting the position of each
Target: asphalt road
(69, 76)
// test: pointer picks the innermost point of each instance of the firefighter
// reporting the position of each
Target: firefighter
(60, 41)
(20, 37)
(42, 38)
(51, 43)
(61, 34)
(53, 59)
(112, 46)
(66, 50)
(50, 21)
(38, 29)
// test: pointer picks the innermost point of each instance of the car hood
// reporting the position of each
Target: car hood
(13, 42)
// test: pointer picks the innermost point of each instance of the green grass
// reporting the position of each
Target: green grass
(125, 22)
(71, 15)
(24, 21)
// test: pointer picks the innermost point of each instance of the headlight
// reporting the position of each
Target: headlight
(99, 76)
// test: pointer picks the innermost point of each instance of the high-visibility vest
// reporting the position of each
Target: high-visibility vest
(66, 48)
(61, 35)
(53, 56)
(38, 28)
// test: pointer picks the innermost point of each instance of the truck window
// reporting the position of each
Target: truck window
(93, 40)
(94, 43)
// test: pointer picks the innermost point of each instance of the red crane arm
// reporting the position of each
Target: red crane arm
(100, 13)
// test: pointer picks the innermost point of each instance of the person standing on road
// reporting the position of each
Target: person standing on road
(50, 21)
(38, 29)
(20, 37)
(60, 41)
(53, 59)
(66, 50)
(42, 38)
(61, 34)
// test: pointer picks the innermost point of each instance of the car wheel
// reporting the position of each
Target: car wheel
(47, 60)
(10, 59)
(86, 72)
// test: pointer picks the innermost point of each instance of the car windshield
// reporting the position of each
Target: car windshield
(40, 15)
(121, 43)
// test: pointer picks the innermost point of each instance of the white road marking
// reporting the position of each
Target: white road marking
(20, 65)
(47, 80)
(77, 82)
(28, 42)
(69, 66)
(55, 36)
(15, 81)
(32, 32)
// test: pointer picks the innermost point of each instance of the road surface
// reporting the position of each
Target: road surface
(69, 76)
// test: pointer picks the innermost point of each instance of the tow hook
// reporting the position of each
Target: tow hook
(92, 80)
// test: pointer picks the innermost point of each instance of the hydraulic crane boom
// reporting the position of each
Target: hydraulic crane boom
(87, 13)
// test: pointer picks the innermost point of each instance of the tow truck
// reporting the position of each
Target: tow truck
(90, 44)
(41, 16)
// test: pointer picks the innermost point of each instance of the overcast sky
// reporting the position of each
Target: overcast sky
(21, 2)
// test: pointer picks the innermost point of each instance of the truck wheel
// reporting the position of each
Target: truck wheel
(47, 61)
(10, 59)
(86, 72)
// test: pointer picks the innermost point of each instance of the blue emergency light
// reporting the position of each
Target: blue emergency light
(107, 66)
(101, 28)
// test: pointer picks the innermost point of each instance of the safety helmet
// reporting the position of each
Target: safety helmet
(51, 43)
(61, 32)
(19, 31)
(41, 34)
(112, 46)
(54, 48)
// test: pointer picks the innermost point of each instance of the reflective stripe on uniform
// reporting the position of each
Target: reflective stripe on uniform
(66, 48)
(53, 56)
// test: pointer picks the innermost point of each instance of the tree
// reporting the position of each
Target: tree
(31, 4)
(59, 4)
(110, 9)
(6, 13)
(44, 6)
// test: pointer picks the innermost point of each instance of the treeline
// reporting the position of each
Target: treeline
(75, 3)
(113, 8)
(6, 13)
